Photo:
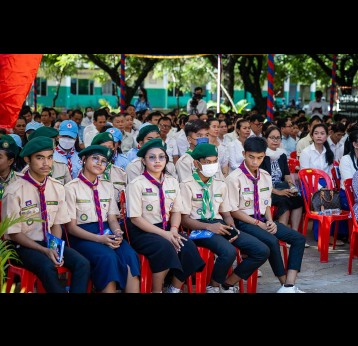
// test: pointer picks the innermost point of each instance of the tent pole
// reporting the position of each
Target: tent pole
(270, 89)
(333, 85)
(218, 89)
(123, 81)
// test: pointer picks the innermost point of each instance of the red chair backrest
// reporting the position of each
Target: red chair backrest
(292, 164)
(336, 179)
(309, 179)
(350, 198)
(293, 155)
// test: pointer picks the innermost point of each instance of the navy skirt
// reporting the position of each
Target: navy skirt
(107, 264)
(162, 255)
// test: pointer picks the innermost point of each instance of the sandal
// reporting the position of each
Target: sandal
(338, 242)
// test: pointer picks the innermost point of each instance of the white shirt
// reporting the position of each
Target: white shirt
(201, 107)
(252, 134)
(235, 149)
(314, 104)
(88, 134)
(86, 121)
(303, 143)
(346, 169)
(338, 149)
(230, 137)
(182, 142)
(312, 158)
(172, 148)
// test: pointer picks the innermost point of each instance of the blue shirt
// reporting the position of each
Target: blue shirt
(142, 105)
(289, 144)
(132, 154)
(121, 161)
(75, 160)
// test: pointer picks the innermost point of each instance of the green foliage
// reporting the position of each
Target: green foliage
(7, 251)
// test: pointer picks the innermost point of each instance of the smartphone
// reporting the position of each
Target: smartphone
(233, 233)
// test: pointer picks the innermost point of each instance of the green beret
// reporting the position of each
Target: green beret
(35, 145)
(204, 150)
(8, 144)
(145, 130)
(102, 138)
(96, 149)
(153, 143)
(44, 131)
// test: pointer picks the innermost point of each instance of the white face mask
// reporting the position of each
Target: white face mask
(90, 114)
(210, 169)
(66, 143)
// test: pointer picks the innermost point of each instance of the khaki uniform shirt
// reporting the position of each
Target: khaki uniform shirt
(142, 198)
(13, 176)
(59, 172)
(136, 168)
(185, 168)
(241, 191)
(21, 198)
(118, 177)
(80, 201)
(192, 195)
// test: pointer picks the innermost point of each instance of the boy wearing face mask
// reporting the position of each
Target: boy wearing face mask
(206, 207)
(65, 151)
(87, 120)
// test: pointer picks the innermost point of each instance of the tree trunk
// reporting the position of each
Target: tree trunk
(57, 91)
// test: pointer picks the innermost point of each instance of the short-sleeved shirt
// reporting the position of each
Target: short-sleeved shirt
(192, 196)
(81, 205)
(59, 172)
(121, 161)
(136, 168)
(75, 160)
(241, 191)
(4, 183)
(21, 198)
(142, 198)
(118, 178)
(172, 148)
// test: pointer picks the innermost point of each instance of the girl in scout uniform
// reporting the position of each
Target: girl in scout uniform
(112, 173)
(250, 191)
(94, 228)
(153, 206)
(206, 207)
(34, 195)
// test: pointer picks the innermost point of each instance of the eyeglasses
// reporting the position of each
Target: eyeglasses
(258, 124)
(275, 138)
(97, 160)
(289, 126)
(153, 158)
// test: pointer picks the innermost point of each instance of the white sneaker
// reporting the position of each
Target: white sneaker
(292, 289)
(259, 273)
(212, 289)
(233, 289)
(172, 289)
(306, 245)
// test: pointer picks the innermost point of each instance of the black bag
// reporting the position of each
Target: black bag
(325, 199)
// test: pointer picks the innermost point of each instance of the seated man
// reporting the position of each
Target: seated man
(206, 207)
(250, 191)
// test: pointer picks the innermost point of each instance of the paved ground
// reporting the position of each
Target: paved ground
(317, 277)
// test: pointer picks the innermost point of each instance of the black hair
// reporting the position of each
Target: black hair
(270, 129)
(353, 137)
(239, 122)
(151, 115)
(211, 119)
(338, 127)
(329, 152)
(315, 117)
(257, 117)
(255, 145)
(100, 112)
(195, 126)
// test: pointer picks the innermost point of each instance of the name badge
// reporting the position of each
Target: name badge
(52, 202)
(264, 189)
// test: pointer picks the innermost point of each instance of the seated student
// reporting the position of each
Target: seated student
(136, 167)
(114, 174)
(250, 191)
(94, 229)
(118, 159)
(154, 205)
(206, 206)
(37, 196)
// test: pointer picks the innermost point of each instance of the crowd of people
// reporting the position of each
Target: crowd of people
(221, 173)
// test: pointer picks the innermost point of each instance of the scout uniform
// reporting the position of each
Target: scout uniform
(119, 160)
(59, 170)
(68, 128)
(83, 207)
(143, 198)
(207, 209)
(23, 198)
(112, 173)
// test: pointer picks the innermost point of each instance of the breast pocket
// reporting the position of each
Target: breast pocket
(84, 212)
(150, 204)
(247, 201)
(265, 198)
(51, 213)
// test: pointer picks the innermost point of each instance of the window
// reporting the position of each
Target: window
(41, 85)
(174, 91)
(109, 88)
(82, 86)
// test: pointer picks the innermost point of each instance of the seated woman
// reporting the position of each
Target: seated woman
(284, 193)
(154, 207)
(94, 229)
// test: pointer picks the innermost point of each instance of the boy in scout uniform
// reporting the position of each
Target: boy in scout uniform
(154, 206)
(65, 151)
(197, 132)
(112, 173)
(94, 229)
(37, 196)
(135, 167)
(59, 170)
(250, 197)
(206, 207)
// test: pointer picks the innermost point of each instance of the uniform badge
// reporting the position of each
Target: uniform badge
(247, 203)
(84, 217)
(29, 222)
(5, 145)
(149, 207)
(199, 211)
(199, 195)
(246, 189)
(27, 203)
(148, 190)
(111, 131)
(266, 201)
(69, 126)
(171, 205)
(104, 205)
(110, 136)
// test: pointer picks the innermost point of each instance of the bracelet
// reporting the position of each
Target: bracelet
(256, 222)
(175, 227)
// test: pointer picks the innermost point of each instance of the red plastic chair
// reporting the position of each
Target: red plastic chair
(293, 155)
(293, 165)
(309, 179)
(336, 176)
(353, 246)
